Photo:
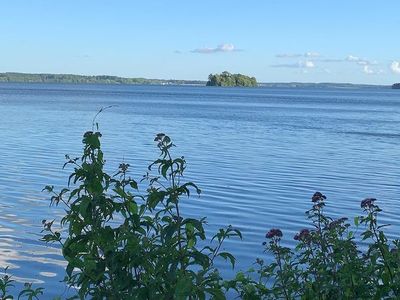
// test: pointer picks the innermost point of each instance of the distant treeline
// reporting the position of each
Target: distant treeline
(98, 79)
(223, 79)
(228, 79)
(320, 85)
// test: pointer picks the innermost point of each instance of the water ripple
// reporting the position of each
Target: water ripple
(257, 154)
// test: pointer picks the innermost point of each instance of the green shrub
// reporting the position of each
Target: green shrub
(326, 263)
(122, 244)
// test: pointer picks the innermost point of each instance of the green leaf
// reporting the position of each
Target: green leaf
(191, 243)
(226, 256)
(133, 184)
(133, 208)
(84, 206)
(183, 288)
(367, 234)
(217, 293)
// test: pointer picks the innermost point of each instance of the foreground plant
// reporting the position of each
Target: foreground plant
(326, 263)
(7, 284)
(123, 244)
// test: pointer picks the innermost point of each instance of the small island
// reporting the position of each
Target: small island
(396, 86)
(228, 79)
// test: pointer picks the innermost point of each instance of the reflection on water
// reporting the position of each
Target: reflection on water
(257, 154)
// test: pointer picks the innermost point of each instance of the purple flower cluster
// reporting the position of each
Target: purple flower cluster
(159, 137)
(303, 235)
(274, 232)
(124, 167)
(318, 197)
(368, 203)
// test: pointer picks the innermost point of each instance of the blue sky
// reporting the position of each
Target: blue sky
(273, 40)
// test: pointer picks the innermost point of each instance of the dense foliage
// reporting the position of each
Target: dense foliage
(99, 79)
(327, 263)
(228, 79)
(121, 243)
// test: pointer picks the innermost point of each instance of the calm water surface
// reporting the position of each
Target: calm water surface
(257, 154)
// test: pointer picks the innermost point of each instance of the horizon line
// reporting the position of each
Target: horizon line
(199, 80)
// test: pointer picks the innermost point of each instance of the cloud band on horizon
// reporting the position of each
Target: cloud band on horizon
(308, 64)
(220, 48)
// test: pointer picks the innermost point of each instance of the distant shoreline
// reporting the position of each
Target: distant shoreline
(14, 77)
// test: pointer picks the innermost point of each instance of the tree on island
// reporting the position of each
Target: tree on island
(396, 86)
(228, 79)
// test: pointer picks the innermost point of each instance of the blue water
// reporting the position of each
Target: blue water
(257, 154)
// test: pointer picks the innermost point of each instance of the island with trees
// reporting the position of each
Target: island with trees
(396, 86)
(228, 79)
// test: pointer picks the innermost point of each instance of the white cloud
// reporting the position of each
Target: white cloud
(226, 47)
(395, 67)
(297, 55)
(311, 60)
(219, 48)
(352, 58)
(308, 64)
(363, 63)
(360, 61)
(368, 70)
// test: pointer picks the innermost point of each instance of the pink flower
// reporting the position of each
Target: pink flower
(367, 203)
(274, 232)
(317, 197)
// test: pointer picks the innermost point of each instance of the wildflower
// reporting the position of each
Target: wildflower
(318, 197)
(274, 232)
(367, 203)
(302, 235)
(124, 167)
(159, 137)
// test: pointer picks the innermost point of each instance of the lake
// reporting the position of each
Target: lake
(257, 154)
